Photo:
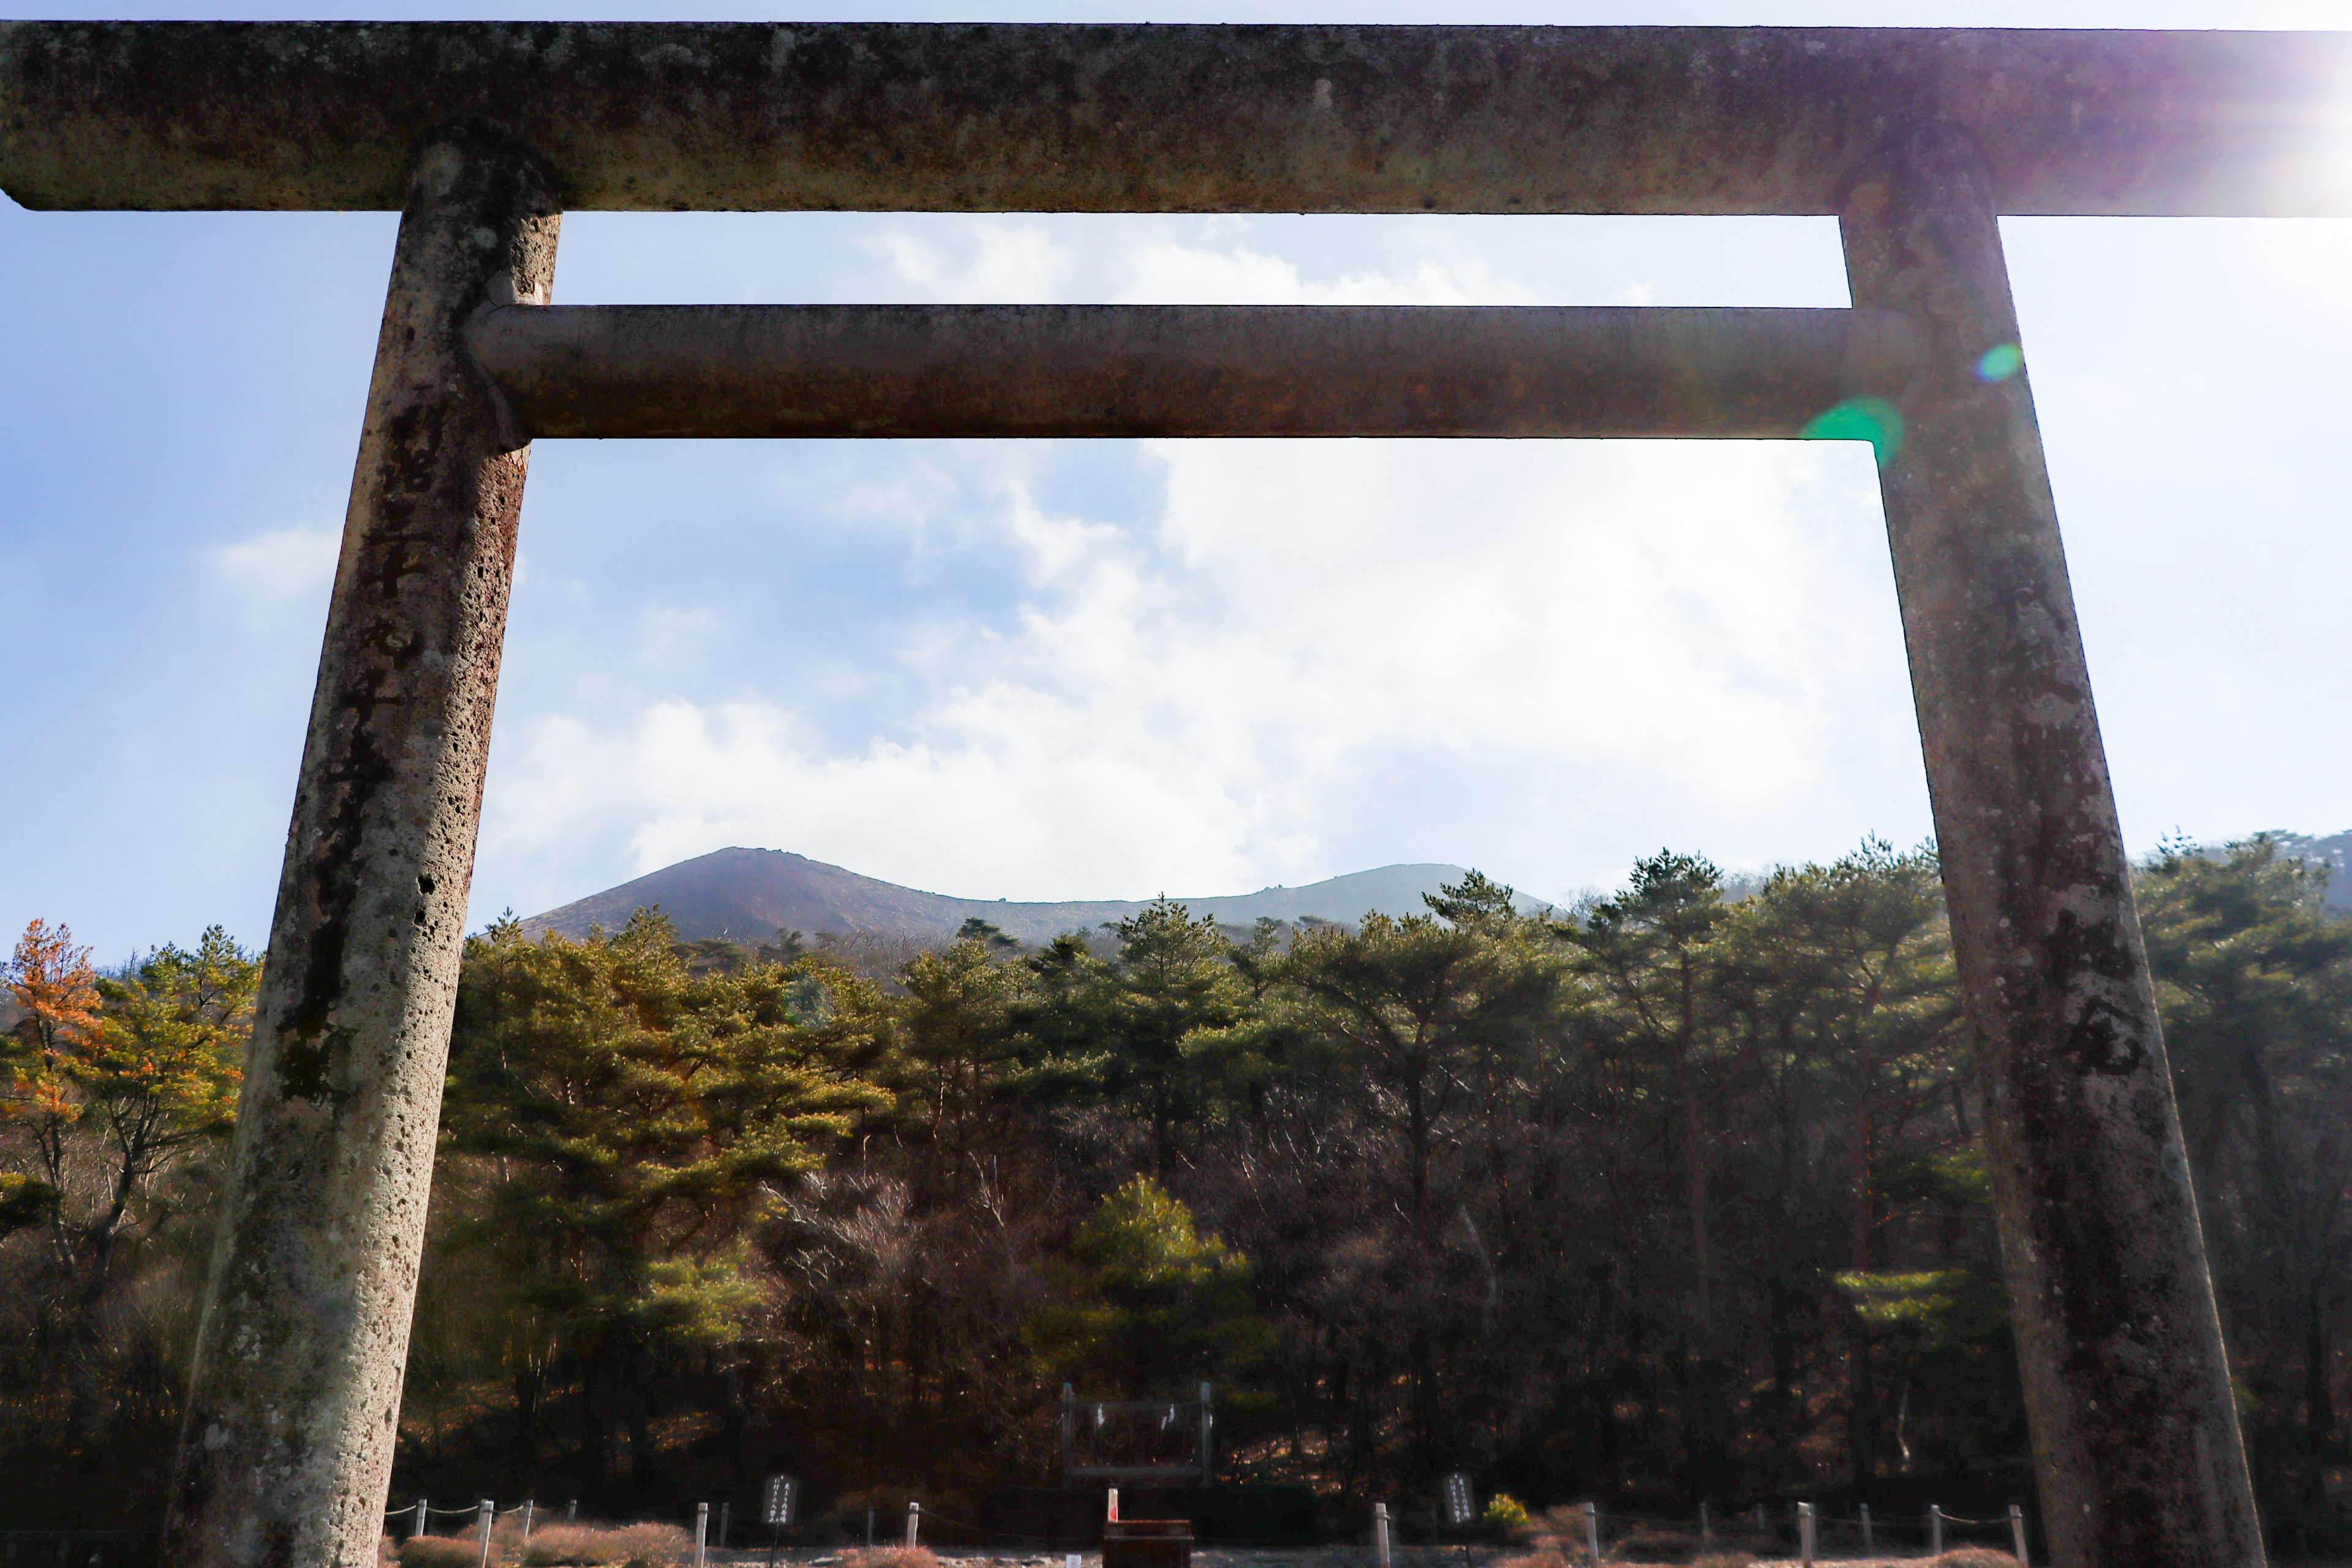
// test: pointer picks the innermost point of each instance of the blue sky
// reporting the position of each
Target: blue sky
(1099, 669)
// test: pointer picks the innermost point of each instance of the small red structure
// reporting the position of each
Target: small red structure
(1147, 1543)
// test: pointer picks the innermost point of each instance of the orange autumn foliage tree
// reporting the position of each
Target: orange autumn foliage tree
(52, 983)
(108, 1077)
(116, 1094)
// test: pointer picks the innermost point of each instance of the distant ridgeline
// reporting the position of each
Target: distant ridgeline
(749, 895)
(2333, 852)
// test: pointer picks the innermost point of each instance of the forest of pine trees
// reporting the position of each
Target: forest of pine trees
(1672, 1195)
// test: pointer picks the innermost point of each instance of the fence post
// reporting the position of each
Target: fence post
(2017, 1535)
(914, 1522)
(1067, 1427)
(869, 1524)
(1208, 1437)
(1805, 1534)
(1706, 1531)
(1935, 1531)
(1592, 1531)
(572, 1511)
(487, 1511)
(418, 1528)
(702, 1534)
(1381, 1534)
(1112, 1505)
(726, 1517)
(527, 1508)
(1869, 1544)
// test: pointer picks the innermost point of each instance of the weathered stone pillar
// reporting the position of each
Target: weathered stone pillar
(286, 1451)
(2135, 1432)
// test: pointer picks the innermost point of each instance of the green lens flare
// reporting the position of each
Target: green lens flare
(2000, 361)
(1871, 420)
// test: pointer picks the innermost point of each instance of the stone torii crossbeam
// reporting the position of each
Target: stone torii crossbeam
(482, 135)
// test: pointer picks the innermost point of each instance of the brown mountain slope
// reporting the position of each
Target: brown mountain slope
(748, 895)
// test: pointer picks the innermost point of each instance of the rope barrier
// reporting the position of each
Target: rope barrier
(953, 1522)
(1908, 1536)
(1899, 1521)
(1729, 1522)
(1733, 1524)
(1046, 1542)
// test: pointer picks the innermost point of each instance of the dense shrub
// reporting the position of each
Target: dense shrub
(1504, 1512)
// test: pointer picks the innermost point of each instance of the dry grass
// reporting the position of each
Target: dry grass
(890, 1557)
(440, 1551)
(620, 1546)
(564, 1543)
(1656, 1546)
(1690, 1551)
(1555, 1539)
(1659, 1546)
(1546, 1553)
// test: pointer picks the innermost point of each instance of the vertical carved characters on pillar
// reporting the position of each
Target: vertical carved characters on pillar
(286, 1451)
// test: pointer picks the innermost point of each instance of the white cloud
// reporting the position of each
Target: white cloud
(271, 574)
(1194, 261)
(1170, 272)
(984, 260)
(994, 806)
(1198, 704)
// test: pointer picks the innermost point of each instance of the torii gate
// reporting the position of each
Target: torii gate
(481, 135)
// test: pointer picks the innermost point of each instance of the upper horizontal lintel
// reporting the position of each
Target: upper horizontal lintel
(1132, 117)
(1064, 371)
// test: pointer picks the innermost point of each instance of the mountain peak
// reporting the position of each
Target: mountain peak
(747, 895)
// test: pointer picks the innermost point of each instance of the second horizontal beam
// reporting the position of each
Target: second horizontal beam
(701, 371)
